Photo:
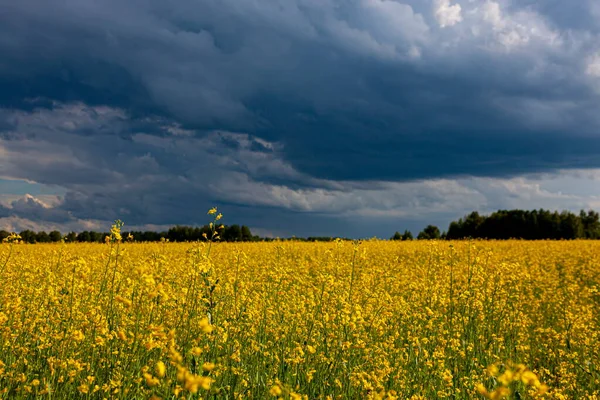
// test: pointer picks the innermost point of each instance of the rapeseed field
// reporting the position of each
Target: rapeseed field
(340, 320)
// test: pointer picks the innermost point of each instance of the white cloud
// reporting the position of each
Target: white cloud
(18, 224)
(48, 200)
(492, 14)
(440, 199)
(421, 199)
(512, 30)
(396, 22)
(446, 14)
(39, 213)
(593, 66)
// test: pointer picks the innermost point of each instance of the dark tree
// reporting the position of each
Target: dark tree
(28, 236)
(71, 237)
(246, 234)
(42, 237)
(455, 230)
(84, 237)
(397, 236)
(175, 234)
(570, 226)
(232, 233)
(55, 236)
(430, 232)
(591, 224)
(98, 237)
(522, 224)
(179, 234)
(407, 235)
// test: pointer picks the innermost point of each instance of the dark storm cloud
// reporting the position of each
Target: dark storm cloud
(175, 178)
(368, 89)
(31, 208)
(154, 111)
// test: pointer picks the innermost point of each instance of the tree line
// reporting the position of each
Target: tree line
(502, 224)
(517, 224)
(230, 233)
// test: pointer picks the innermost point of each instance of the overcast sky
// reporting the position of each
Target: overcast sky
(309, 117)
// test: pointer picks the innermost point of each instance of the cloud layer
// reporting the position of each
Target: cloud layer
(355, 113)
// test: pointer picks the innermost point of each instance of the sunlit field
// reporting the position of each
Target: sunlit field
(347, 320)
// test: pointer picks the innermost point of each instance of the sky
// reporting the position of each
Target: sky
(352, 118)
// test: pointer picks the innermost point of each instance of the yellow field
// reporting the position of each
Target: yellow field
(420, 320)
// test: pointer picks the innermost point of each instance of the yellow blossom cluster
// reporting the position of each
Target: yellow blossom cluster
(511, 381)
(339, 320)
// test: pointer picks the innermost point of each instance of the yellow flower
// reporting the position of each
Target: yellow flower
(500, 393)
(208, 366)
(196, 351)
(493, 370)
(480, 388)
(205, 325)
(275, 391)
(192, 382)
(506, 378)
(529, 378)
(161, 369)
(150, 380)
(12, 238)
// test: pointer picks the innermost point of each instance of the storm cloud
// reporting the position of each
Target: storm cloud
(355, 113)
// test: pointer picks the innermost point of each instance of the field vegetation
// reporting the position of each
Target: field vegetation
(348, 320)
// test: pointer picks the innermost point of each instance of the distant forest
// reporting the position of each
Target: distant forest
(516, 224)
(502, 224)
(231, 233)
